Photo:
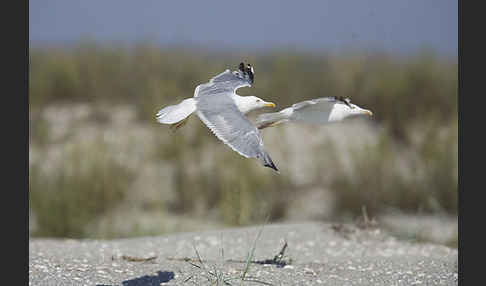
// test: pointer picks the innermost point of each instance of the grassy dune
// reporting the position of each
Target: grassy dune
(95, 150)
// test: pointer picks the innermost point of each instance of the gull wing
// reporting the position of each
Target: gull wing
(225, 82)
(313, 102)
(222, 117)
(314, 111)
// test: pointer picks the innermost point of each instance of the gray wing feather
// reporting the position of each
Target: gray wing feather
(222, 117)
(226, 81)
(313, 111)
(311, 102)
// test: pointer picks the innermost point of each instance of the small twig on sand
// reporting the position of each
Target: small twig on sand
(343, 230)
(276, 260)
(137, 259)
(280, 255)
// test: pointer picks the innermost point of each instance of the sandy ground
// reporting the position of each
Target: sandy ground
(317, 254)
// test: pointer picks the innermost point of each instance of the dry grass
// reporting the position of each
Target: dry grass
(413, 167)
(384, 176)
(399, 90)
(86, 184)
(239, 190)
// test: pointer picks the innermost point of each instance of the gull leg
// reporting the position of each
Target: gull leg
(271, 124)
(179, 124)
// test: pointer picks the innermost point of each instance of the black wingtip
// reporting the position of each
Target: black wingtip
(343, 100)
(249, 71)
(251, 76)
(271, 165)
(242, 67)
(267, 161)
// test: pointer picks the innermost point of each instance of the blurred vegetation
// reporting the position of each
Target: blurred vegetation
(86, 185)
(406, 94)
(238, 189)
(400, 90)
(382, 178)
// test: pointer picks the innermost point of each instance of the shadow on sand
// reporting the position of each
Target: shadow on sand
(149, 280)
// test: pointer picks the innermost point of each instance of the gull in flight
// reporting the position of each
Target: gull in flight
(223, 111)
(317, 111)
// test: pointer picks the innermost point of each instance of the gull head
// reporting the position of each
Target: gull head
(342, 111)
(248, 103)
(353, 110)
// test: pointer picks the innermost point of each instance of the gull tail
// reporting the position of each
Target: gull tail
(270, 119)
(267, 161)
(173, 114)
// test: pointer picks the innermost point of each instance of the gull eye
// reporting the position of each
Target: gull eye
(258, 100)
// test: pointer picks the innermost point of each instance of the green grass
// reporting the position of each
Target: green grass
(215, 275)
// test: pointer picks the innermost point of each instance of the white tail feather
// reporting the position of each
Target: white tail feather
(175, 113)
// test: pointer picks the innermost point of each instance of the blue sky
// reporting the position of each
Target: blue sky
(390, 25)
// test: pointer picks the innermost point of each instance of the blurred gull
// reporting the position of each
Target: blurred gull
(318, 111)
(222, 110)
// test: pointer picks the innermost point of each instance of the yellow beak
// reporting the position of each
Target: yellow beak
(270, 104)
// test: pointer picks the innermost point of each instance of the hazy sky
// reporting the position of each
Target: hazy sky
(391, 25)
